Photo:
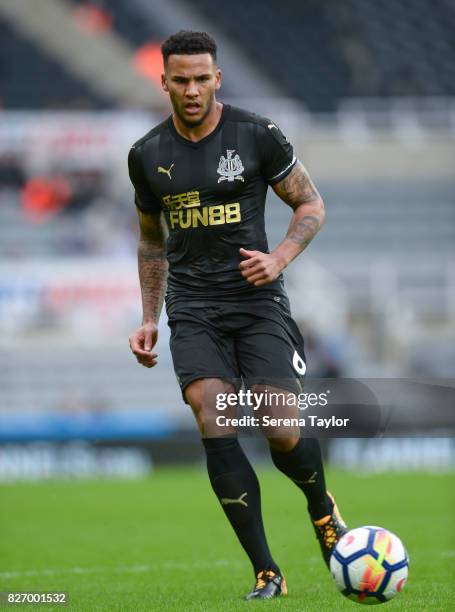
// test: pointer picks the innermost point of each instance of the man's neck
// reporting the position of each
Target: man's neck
(198, 132)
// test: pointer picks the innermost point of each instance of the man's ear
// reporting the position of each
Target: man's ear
(218, 79)
(164, 82)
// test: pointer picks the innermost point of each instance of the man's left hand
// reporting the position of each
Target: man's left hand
(260, 268)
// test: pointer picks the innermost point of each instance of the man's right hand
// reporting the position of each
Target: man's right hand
(141, 343)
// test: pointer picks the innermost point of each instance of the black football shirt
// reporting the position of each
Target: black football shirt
(212, 193)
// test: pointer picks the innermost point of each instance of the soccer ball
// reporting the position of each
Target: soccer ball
(369, 565)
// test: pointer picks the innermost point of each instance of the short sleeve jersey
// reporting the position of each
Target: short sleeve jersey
(212, 194)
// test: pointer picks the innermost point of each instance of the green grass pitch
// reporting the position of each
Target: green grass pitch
(162, 543)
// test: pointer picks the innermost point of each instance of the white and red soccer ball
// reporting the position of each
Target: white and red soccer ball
(369, 565)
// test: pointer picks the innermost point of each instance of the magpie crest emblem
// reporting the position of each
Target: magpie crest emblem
(230, 168)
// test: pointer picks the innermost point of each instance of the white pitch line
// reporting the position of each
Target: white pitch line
(121, 569)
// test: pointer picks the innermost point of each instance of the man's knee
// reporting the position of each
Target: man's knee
(283, 444)
(194, 395)
(201, 395)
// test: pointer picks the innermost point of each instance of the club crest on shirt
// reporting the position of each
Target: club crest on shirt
(230, 168)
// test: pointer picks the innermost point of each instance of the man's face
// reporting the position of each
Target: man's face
(191, 81)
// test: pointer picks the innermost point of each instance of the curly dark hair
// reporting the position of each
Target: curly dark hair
(187, 42)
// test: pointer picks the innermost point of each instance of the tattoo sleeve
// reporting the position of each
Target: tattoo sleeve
(298, 191)
(152, 264)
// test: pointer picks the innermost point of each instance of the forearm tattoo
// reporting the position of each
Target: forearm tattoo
(152, 265)
(302, 231)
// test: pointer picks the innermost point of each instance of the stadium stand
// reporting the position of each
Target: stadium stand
(145, 24)
(414, 49)
(372, 225)
(28, 77)
(336, 50)
(128, 22)
(82, 379)
(346, 49)
(355, 212)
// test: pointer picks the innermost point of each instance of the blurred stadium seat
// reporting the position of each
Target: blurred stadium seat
(128, 21)
(32, 79)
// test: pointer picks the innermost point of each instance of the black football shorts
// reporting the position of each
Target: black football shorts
(255, 341)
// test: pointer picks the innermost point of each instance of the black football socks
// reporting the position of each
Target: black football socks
(237, 488)
(303, 465)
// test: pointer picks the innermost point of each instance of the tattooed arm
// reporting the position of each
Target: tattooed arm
(298, 191)
(152, 266)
